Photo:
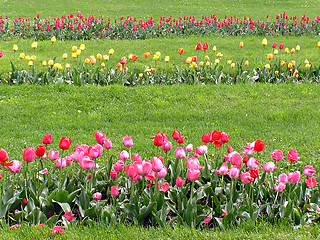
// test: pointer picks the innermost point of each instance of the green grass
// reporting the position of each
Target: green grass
(228, 46)
(262, 231)
(157, 8)
(283, 116)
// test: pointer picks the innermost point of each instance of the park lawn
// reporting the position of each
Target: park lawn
(145, 9)
(253, 51)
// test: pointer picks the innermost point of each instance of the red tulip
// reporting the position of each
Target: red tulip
(258, 146)
(180, 140)
(199, 46)
(274, 45)
(3, 155)
(114, 191)
(24, 201)
(224, 137)
(281, 46)
(1, 54)
(29, 154)
(41, 150)
(159, 139)
(205, 46)
(215, 136)
(47, 139)
(206, 138)
(68, 216)
(65, 143)
(176, 135)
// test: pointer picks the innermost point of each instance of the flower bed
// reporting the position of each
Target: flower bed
(209, 185)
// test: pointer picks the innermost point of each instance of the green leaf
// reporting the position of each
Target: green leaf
(145, 211)
(65, 206)
(72, 196)
(61, 196)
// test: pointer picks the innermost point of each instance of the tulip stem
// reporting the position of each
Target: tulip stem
(275, 200)
(191, 195)
(25, 181)
(131, 194)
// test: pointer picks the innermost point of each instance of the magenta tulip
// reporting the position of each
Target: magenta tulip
(180, 182)
(107, 144)
(157, 164)
(235, 159)
(223, 170)
(124, 156)
(269, 167)
(193, 163)
(203, 149)
(229, 149)
(277, 155)
(114, 191)
(53, 155)
(144, 168)
(283, 178)
(113, 174)
(252, 164)
(246, 178)
(127, 141)
(47, 139)
(162, 173)
(100, 137)
(118, 166)
(3, 155)
(29, 154)
(136, 158)
(234, 172)
(166, 146)
(95, 151)
(193, 175)
(14, 166)
(311, 182)
(86, 163)
(164, 187)
(131, 171)
(189, 148)
(61, 163)
(280, 187)
(293, 155)
(97, 196)
(180, 153)
(308, 171)
(294, 177)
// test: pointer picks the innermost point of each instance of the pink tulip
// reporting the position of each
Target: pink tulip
(224, 137)
(193, 163)
(234, 172)
(166, 146)
(124, 156)
(61, 163)
(3, 155)
(100, 137)
(57, 229)
(229, 149)
(86, 163)
(294, 177)
(95, 151)
(131, 171)
(113, 174)
(308, 171)
(107, 144)
(157, 165)
(151, 176)
(189, 148)
(246, 178)
(44, 171)
(53, 155)
(137, 178)
(249, 149)
(97, 196)
(114, 191)
(203, 149)
(29, 154)
(180, 153)
(68, 160)
(195, 154)
(127, 141)
(269, 167)
(162, 173)
(118, 166)
(47, 139)
(14, 166)
(193, 175)
(311, 182)
(223, 170)
(144, 168)
(207, 219)
(68, 216)
(280, 187)
(277, 155)
(293, 155)
(283, 178)
(164, 187)
(136, 158)
(180, 182)
(252, 164)
(235, 159)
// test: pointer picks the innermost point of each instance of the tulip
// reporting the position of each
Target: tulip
(34, 45)
(293, 155)
(308, 171)
(114, 191)
(127, 141)
(176, 135)
(95, 151)
(264, 42)
(280, 187)
(166, 58)
(146, 55)
(15, 48)
(246, 63)
(214, 48)
(100, 137)
(229, 149)
(157, 164)
(61, 163)
(201, 150)
(254, 173)
(189, 148)
(107, 144)
(224, 137)
(298, 48)
(246, 178)
(281, 46)
(277, 155)
(235, 159)
(44, 171)
(53, 155)
(21, 55)
(124, 155)
(234, 172)
(164, 187)
(283, 178)
(205, 46)
(206, 138)
(180, 51)
(259, 145)
(82, 47)
(252, 164)
(41, 150)
(180, 140)
(162, 173)
(65, 143)
(4, 155)
(274, 45)
(86, 163)
(311, 182)
(269, 167)
(193, 163)
(144, 168)
(199, 46)
(68, 216)
(223, 170)
(113, 174)
(96, 196)
(159, 139)
(294, 177)
(158, 54)
(180, 153)
(29, 154)
(275, 52)
(166, 146)
(180, 182)
(14, 166)
(65, 56)
(131, 171)
(193, 174)
(118, 166)
(57, 229)
(53, 39)
(241, 45)
(24, 201)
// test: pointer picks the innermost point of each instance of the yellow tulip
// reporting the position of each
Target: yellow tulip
(188, 60)
(207, 63)
(194, 65)
(22, 55)
(30, 63)
(158, 54)
(267, 66)
(140, 75)
(93, 61)
(34, 45)
(33, 58)
(201, 64)
(87, 61)
(65, 56)
(74, 55)
(295, 74)
(111, 51)
(155, 58)
(106, 57)
(219, 55)
(264, 42)
(53, 39)
(74, 49)
(308, 66)
(28, 58)
(287, 50)
(50, 62)
(214, 48)
(130, 56)
(298, 47)
(167, 59)
(270, 56)
(217, 61)
(275, 52)
(206, 58)
(103, 64)
(232, 65)
(78, 52)
(276, 72)
(44, 63)
(99, 56)
(15, 48)
(82, 47)
(306, 61)
(229, 62)
(67, 66)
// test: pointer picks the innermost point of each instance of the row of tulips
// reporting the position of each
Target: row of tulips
(79, 27)
(208, 185)
(274, 71)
